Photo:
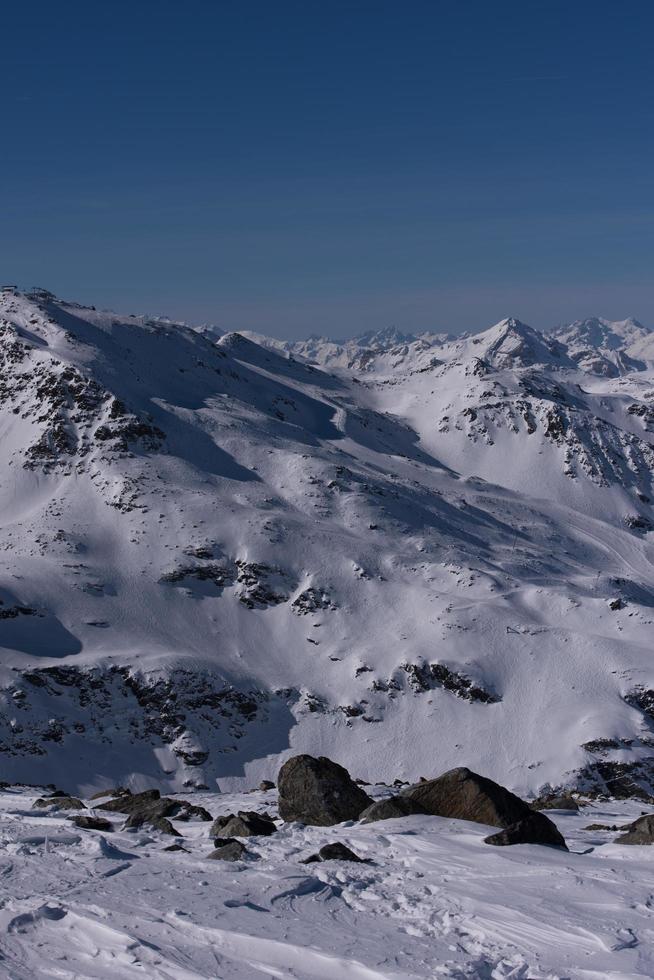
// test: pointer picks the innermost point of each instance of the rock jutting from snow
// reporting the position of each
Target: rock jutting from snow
(129, 802)
(533, 829)
(334, 852)
(139, 819)
(388, 809)
(564, 801)
(229, 850)
(246, 823)
(641, 831)
(465, 795)
(92, 823)
(318, 791)
(59, 803)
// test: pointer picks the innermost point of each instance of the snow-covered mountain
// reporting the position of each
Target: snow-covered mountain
(383, 352)
(214, 554)
(607, 347)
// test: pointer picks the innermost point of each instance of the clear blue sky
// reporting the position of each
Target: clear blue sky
(298, 167)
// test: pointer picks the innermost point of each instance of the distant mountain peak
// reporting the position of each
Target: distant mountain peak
(512, 343)
(384, 338)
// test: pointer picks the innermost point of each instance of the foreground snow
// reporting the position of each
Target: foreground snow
(435, 901)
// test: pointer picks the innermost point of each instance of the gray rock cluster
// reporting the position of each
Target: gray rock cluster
(321, 793)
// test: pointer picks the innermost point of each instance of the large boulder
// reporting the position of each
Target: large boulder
(641, 831)
(393, 806)
(246, 823)
(534, 829)
(318, 792)
(465, 795)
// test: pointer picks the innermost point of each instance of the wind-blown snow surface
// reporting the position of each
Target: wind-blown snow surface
(215, 555)
(434, 901)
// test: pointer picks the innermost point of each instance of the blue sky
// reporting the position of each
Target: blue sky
(299, 167)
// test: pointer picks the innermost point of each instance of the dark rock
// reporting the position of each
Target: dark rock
(394, 806)
(176, 847)
(334, 852)
(601, 826)
(533, 829)
(127, 802)
(246, 823)
(116, 791)
(92, 823)
(219, 823)
(150, 805)
(189, 811)
(318, 792)
(229, 850)
(562, 802)
(641, 831)
(140, 819)
(465, 795)
(265, 785)
(426, 677)
(58, 803)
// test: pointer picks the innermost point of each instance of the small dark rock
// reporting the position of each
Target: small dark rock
(116, 791)
(92, 823)
(265, 785)
(176, 847)
(247, 823)
(229, 850)
(190, 811)
(127, 802)
(562, 802)
(334, 852)
(138, 819)
(58, 803)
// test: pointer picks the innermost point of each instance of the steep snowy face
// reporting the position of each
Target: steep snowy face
(214, 554)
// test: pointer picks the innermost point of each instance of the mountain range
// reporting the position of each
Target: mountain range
(408, 553)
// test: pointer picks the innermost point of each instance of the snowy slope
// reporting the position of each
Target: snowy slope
(215, 554)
